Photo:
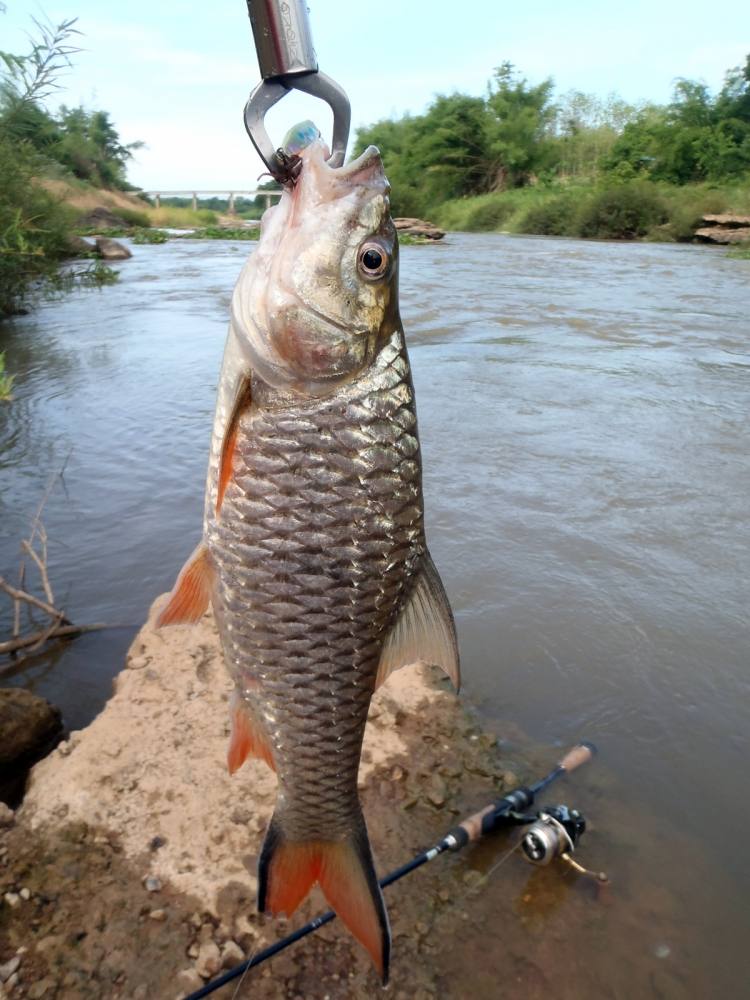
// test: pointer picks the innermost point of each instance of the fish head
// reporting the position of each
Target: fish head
(319, 296)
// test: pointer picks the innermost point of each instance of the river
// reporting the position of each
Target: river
(584, 421)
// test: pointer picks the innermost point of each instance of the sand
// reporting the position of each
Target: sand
(129, 870)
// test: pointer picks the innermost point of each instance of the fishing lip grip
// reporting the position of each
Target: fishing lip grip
(287, 61)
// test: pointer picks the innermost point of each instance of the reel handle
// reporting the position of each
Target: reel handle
(580, 754)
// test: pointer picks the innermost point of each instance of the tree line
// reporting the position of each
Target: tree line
(519, 134)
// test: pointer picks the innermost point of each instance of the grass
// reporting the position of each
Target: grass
(638, 209)
(6, 381)
(221, 233)
(168, 217)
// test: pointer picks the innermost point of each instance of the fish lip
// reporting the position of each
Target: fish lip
(364, 160)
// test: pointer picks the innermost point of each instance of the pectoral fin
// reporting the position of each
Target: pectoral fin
(191, 592)
(424, 630)
(226, 459)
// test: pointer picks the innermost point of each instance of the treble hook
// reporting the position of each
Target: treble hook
(287, 62)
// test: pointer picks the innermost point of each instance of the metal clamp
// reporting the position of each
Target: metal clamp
(287, 62)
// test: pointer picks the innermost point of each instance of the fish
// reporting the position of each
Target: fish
(313, 553)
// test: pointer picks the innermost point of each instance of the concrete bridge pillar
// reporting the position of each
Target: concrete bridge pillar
(157, 200)
(195, 202)
(268, 201)
(231, 203)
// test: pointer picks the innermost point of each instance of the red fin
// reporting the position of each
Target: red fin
(248, 738)
(242, 401)
(191, 592)
(345, 871)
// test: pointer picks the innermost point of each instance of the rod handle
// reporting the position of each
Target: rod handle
(580, 754)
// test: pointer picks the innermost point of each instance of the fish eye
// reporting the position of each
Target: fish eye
(373, 260)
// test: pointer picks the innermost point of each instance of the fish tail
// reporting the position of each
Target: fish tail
(345, 872)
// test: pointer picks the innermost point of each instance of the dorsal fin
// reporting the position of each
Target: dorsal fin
(424, 631)
(241, 402)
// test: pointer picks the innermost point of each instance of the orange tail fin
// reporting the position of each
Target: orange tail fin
(346, 874)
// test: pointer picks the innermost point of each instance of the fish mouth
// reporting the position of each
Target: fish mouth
(366, 169)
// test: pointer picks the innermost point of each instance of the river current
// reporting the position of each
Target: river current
(584, 421)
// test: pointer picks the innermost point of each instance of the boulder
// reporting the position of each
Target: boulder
(102, 218)
(724, 228)
(79, 247)
(721, 234)
(111, 250)
(419, 227)
(30, 728)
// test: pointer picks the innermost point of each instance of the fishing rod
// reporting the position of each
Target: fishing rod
(553, 832)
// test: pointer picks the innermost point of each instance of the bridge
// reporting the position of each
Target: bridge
(214, 193)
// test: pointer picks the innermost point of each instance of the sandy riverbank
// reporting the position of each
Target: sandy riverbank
(129, 871)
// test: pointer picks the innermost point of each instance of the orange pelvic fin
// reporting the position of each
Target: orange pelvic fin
(226, 460)
(191, 592)
(346, 874)
(248, 737)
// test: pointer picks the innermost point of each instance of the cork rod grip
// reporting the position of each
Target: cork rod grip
(580, 754)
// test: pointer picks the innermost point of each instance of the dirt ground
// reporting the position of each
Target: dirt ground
(129, 871)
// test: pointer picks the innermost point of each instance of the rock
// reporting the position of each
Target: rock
(29, 729)
(8, 968)
(209, 960)
(25, 894)
(158, 915)
(231, 955)
(12, 899)
(724, 228)
(419, 227)
(726, 219)
(79, 247)
(111, 250)
(102, 218)
(188, 981)
(7, 816)
(40, 989)
(152, 883)
(718, 234)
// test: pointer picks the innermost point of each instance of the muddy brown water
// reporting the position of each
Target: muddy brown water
(583, 413)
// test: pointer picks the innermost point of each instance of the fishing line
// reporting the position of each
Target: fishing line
(509, 810)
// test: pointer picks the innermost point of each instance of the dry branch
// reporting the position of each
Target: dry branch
(59, 625)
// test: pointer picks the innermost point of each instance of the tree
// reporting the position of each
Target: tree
(521, 119)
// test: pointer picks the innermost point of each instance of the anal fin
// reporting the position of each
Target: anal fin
(248, 739)
(424, 631)
(192, 591)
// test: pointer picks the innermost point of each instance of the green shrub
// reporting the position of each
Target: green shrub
(149, 236)
(488, 214)
(220, 233)
(133, 217)
(556, 216)
(623, 212)
(34, 227)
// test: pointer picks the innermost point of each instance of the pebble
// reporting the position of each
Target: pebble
(188, 980)
(158, 915)
(40, 989)
(662, 951)
(12, 899)
(25, 893)
(209, 959)
(152, 883)
(138, 662)
(231, 955)
(7, 970)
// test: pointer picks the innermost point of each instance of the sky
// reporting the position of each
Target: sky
(176, 75)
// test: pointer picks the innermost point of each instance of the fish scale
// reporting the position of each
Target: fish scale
(309, 625)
